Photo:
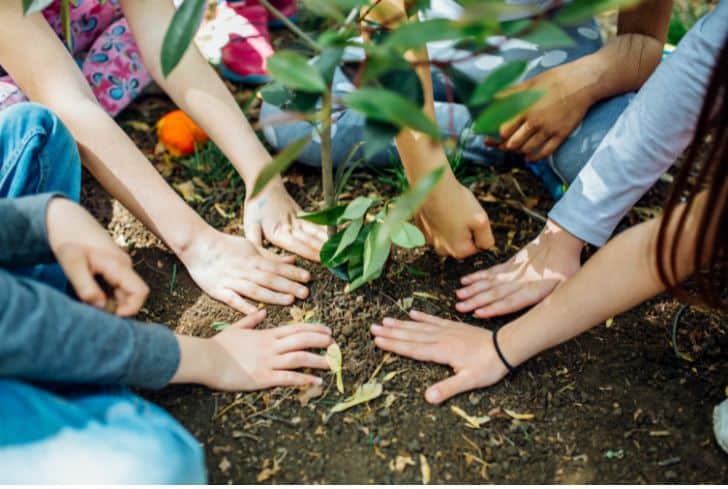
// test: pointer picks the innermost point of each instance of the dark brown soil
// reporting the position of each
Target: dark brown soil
(615, 405)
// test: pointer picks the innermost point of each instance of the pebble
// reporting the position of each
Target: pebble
(347, 330)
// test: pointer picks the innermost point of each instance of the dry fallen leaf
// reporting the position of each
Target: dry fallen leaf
(138, 126)
(392, 375)
(333, 358)
(425, 470)
(425, 295)
(401, 463)
(363, 394)
(268, 472)
(390, 400)
(224, 465)
(609, 322)
(187, 190)
(311, 392)
(519, 416)
(470, 421)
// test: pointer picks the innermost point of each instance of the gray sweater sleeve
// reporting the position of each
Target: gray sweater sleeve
(647, 139)
(23, 234)
(46, 336)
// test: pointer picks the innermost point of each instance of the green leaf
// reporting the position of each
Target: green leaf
(408, 203)
(378, 136)
(408, 236)
(220, 325)
(497, 80)
(376, 251)
(328, 61)
(404, 80)
(350, 234)
(356, 209)
(32, 6)
(292, 70)
(356, 253)
(463, 84)
(326, 217)
(325, 8)
(580, 10)
(180, 33)
(388, 106)
(503, 110)
(412, 35)
(328, 250)
(548, 35)
(279, 164)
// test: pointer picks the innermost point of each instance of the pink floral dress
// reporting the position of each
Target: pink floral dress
(104, 49)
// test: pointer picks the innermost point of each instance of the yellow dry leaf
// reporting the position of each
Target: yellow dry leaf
(519, 416)
(425, 295)
(425, 470)
(268, 472)
(363, 394)
(333, 358)
(187, 189)
(609, 322)
(389, 400)
(392, 375)
(309, 315)
(297, 314)
(402, 462)
(138, 126)
(471, 421)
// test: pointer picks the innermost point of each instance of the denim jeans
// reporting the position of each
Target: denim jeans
(71, 433)
(454, 118)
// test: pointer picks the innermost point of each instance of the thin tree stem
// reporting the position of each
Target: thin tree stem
(291, 26)
(327, 167)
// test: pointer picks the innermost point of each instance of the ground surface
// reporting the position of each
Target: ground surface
(615, 405)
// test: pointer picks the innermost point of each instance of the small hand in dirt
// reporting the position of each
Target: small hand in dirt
(467, 349)
(453, 221)
(273, 215)
(543, 127)
(229, 268)
(525, 279)
(85, 251)
(249, 359)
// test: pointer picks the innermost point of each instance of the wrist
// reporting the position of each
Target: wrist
(193, 236)
(197, 361)
(562, 238)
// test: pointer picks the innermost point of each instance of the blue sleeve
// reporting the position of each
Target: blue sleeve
(46, 336)
(647, 139)
(23, 233)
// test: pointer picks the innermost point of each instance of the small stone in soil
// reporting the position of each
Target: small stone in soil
(347, 330)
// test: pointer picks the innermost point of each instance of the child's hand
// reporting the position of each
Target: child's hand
(525, 279)
(543, 127)
(229, 268)
(241, 358)
(453, 221)
(467, 349)
(84, 250)
(273, 215)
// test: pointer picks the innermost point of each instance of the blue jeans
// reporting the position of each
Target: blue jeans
(73, 434)
(454, 118)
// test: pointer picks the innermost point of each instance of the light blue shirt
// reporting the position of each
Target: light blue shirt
(646, 140)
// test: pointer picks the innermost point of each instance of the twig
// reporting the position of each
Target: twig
(291, 26)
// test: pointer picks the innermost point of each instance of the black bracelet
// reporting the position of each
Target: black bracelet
(510, 367)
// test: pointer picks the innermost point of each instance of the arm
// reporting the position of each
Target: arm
(459, 234)
(639, 148)
(198, 91)
(592, 295)
(622, 65)
(642, 144)
(23, 238)
(228, 268)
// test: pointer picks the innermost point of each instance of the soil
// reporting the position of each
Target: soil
(615, 405)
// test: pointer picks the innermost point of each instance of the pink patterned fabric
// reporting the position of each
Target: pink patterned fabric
(105, 50)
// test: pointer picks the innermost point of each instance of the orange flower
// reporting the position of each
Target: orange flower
(179, 134)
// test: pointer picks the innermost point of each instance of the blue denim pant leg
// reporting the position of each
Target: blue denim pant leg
(103, 435)
(38, 155)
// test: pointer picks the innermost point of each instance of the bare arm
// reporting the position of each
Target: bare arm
(198, 90)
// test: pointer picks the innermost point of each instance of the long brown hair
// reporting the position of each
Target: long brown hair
(704, 171)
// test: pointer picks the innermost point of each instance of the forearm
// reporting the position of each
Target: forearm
(197, 361)
(618, 277)
(196, 89)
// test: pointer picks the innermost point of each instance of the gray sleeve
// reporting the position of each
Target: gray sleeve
(647, 139)
(46, 336)
(23, 233)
